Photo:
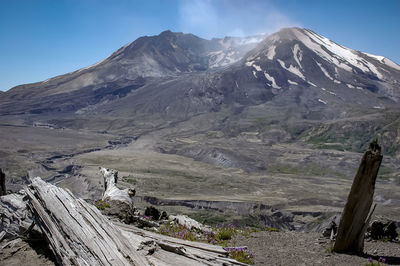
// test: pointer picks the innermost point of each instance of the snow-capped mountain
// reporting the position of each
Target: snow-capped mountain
(294, 74)
(301, 57)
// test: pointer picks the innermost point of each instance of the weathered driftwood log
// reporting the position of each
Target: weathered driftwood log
(16, 219)
(111, 191)
(77, 232)
(189, 222)
(119, 202)
(191, 253)
(80, 235)
(3, 190)
(355, 216)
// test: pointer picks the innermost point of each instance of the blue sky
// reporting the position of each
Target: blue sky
(44, 38)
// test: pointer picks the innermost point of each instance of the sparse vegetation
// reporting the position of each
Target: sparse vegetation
(129, 179)
(222, 234)
(381, 261)
(178, 231)
(241, 254)
(102, 205)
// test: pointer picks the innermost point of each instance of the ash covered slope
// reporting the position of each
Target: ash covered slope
(298, 67)
(136, 64)
(295, 73)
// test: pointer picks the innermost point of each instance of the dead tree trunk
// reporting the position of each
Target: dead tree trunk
(80, 235)
(350, 237)
(3, 190)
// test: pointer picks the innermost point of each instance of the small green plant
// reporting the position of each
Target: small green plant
(222, 234)
(178, 231)
(129, 179)
(102, 205)
(241, 254)
(272, 229)
(330, 248)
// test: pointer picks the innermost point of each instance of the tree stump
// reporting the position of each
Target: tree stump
(355, 219)
(3, 190)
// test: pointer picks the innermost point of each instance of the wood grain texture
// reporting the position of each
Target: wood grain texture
(79, 234)
(354, 220)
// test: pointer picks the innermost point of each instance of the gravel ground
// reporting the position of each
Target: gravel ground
(20, 253)
(270, 248)
(297, 248)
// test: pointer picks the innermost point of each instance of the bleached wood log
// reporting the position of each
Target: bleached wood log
(195, 252)
(80, 235)
(112, 192)
(16, 219)
(354, 220)
(189, 222)
(77, 232)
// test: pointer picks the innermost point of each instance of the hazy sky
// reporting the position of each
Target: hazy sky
(40, 39)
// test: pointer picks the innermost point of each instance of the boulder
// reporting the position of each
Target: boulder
(382, 230)
(152, 212)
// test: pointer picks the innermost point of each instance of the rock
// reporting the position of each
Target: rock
(382, 230)
(164, 216)
(390, 231)
(153, 213)
(331, 230)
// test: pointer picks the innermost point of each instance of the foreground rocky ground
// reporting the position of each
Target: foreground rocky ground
(269, 248)
(297, 248)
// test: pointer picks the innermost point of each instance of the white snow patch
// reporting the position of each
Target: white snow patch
(337, 81)
(384, 60)
(271, 52)
(328, 91)
(350, 86)
(360, 88)
(292, 69)
(336, 72)
(250, 63)
(218, 58)
(292, 82)
(312, 84)
(379, 107)
(340, 53)
(297, 54)
(307, 40)
(324, 71)
(254, 74)
(272, 79)
(258, 68)
(322, 101)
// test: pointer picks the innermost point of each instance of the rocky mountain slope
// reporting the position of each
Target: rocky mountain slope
(292, 108)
